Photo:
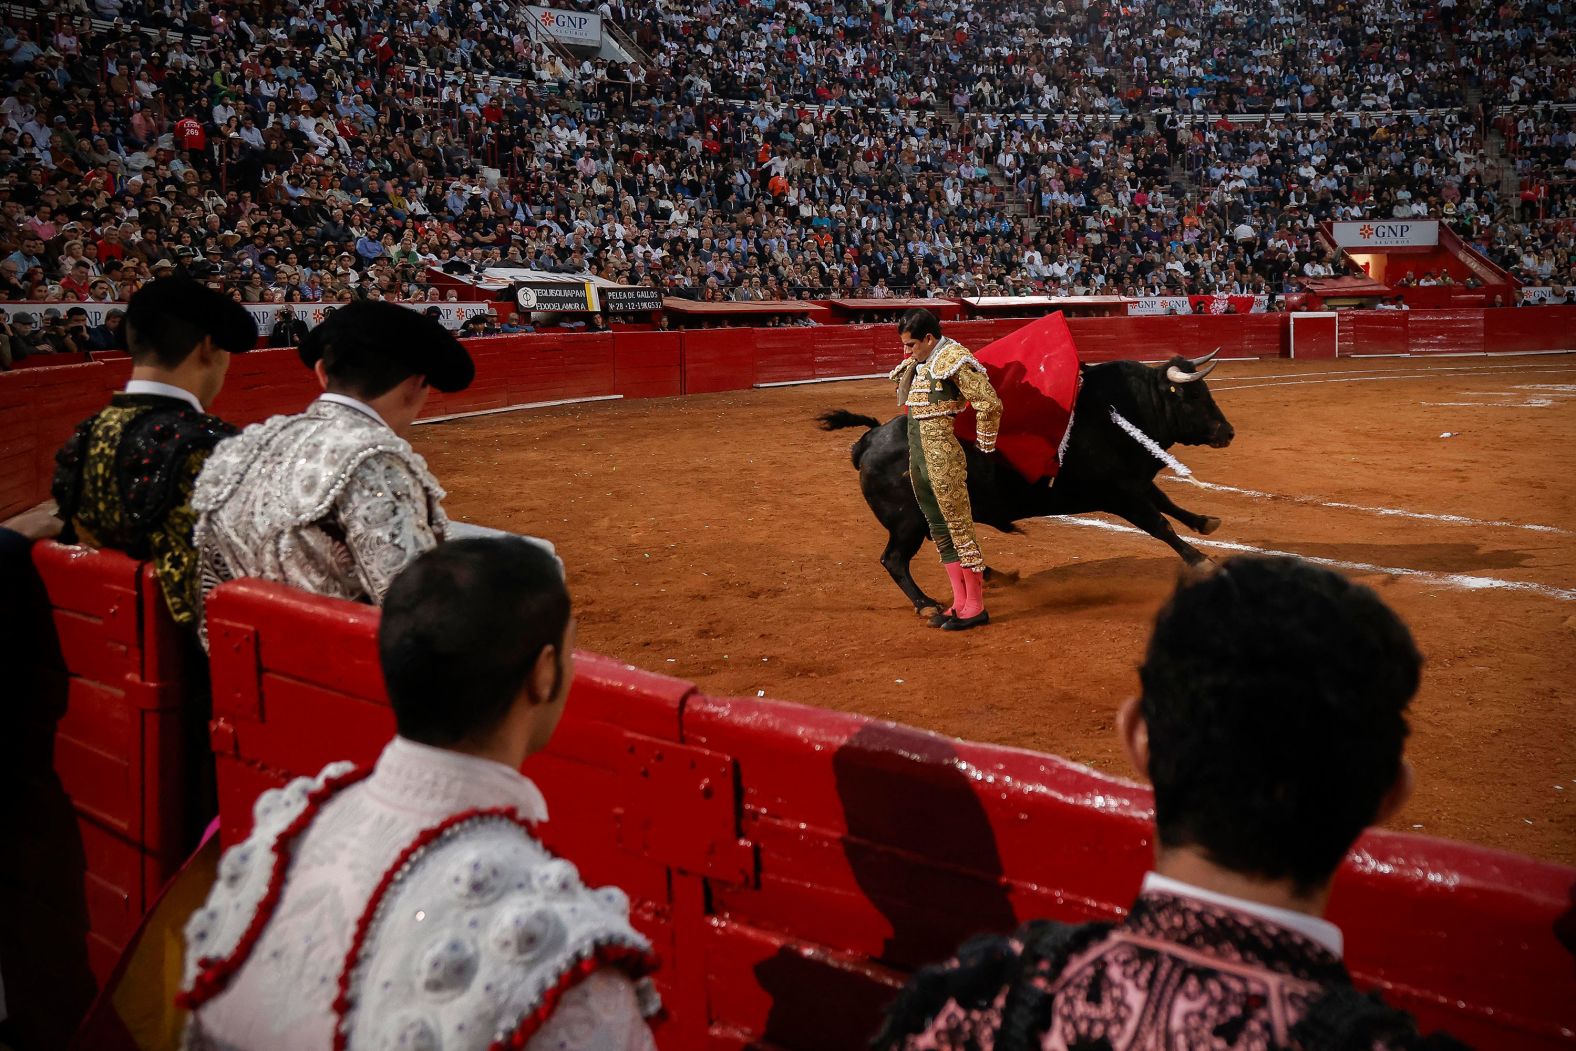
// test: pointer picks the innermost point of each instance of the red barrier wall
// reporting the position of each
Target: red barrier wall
(38, 410)
(260, 384)
(38, 407)
(854, 350)
(793, 865)
(648, 364)
(1372, 332)
(720, 359)
(783, 355)
(95, 765)
(1444, 331)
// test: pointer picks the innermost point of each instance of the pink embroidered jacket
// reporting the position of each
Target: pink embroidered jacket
(1179, 973)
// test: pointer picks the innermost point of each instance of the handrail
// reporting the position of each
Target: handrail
(625, 41)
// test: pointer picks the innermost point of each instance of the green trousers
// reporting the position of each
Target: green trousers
(938, 471)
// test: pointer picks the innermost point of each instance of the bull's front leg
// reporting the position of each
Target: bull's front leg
(1203, 524)
(1136, 508)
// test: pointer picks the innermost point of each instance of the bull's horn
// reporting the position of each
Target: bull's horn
(1176, 375)
(1205, 360)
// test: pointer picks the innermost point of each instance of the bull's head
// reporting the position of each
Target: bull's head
(1194, 417)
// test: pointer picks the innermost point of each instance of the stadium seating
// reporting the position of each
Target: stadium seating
(814, 155)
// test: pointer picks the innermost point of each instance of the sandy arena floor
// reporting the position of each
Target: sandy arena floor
(723, 539)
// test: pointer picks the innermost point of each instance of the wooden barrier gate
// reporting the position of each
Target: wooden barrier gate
(792, 865)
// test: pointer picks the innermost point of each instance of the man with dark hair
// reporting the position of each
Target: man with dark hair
(1272, 722)
(111, 335)
(334, 500)
(939, 379)
(415, 900)
(124, 480)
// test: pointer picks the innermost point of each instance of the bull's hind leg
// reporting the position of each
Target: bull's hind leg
(1203, 524)
(903, 543)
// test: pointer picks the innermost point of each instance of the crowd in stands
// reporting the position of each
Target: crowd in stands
(324, 152)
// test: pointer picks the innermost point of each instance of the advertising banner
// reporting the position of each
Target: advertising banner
(1371, 234)
(453, 315)
(1155, 306)
(576, 296)
(578, 28)
(96, 311)
(630, 299)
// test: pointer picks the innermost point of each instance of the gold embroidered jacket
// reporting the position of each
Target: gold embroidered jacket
(945, 384)
(124, 480)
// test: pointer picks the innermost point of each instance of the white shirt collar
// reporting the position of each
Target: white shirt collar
(164, 390)
(1317, 930)
(359, 406)
(423, 779)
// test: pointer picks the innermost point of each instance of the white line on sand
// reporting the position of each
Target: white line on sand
(1413, 366)
(1460, 581)
(1393, 375)
(1387, 512)
(520, 408)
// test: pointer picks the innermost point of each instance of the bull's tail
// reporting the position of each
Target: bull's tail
(838, 419)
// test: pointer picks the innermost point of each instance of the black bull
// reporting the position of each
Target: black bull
(1104, 468)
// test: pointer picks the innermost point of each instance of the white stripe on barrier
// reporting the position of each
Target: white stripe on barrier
(823, 379)
(1384, 512)
(1460, 581)
(519, 408)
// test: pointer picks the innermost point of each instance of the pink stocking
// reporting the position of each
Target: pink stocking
(973, 595)
(956, 574)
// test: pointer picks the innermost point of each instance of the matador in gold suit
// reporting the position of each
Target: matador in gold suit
(936, 382)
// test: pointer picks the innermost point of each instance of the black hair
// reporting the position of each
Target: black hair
(369, 347)
(1275, 694)
(919, 323)
(356, 356)
(167, 318)
(462, 628)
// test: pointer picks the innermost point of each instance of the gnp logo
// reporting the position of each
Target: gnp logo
(564, 21)
(1385, 231)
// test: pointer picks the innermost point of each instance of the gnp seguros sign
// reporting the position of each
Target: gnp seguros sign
(569, 27)
(1373, 234)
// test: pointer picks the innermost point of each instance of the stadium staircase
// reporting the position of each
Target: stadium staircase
(627, 42)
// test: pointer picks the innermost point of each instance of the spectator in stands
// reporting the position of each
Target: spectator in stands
(666, 164)
(77, 339)
(289, 330)
(124, 480)
(26, 340)
(1240, 732)
(334, 500)
(111, 335)
(476, 644)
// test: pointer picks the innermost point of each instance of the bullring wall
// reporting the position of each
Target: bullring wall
(794, 865)
(40, 405)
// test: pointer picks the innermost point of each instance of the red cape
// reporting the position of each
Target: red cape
(1035, 372)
